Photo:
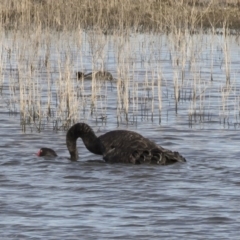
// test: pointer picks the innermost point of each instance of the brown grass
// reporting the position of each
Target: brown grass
(142, 15)
(41, 83)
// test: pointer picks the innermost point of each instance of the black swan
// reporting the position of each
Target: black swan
(119, 146)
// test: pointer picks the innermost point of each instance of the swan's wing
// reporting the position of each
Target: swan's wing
(143, 155)
(120, 139)
(165, 156)
(131, 147)
(136, 151)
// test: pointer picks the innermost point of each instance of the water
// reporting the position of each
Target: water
(58, 199)
(55, 199)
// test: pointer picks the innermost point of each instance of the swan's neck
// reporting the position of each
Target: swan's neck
(88, 136)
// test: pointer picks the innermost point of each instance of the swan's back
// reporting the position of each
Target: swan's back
(131, 147)
(122, 138)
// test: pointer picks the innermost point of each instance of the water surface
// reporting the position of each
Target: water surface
(58, 199)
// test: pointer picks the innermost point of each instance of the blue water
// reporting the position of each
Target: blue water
(89, 199)
(52, 199)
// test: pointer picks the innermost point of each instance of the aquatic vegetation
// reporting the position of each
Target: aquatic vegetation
(110, 16)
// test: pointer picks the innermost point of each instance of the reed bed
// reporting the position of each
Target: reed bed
(165, 56)
(113, 15)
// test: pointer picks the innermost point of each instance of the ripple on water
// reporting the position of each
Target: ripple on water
(58, 199)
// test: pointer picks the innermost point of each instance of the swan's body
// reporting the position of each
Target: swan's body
(119, 146)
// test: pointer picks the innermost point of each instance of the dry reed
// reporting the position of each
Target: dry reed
(45, 42)
(112, 15)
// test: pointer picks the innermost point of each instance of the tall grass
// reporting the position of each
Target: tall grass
(112, 15)
(155, 49)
